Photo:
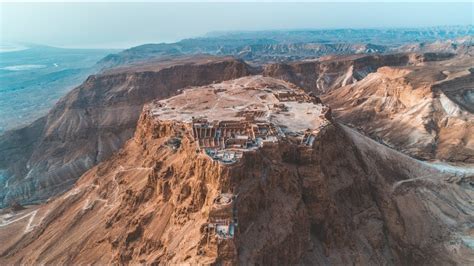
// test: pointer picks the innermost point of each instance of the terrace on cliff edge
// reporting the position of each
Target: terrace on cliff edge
(243, 115)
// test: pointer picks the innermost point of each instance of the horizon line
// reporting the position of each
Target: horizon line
(222, 33)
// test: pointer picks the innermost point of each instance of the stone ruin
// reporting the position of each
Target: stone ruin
(222, 222)
(225, 141)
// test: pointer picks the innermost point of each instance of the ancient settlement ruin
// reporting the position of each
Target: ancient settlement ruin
(225, 141)
(240, 116)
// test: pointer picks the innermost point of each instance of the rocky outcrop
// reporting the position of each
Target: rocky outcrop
(424, 111)
(459, 90)
(323, 75)
(94, 120)
(344, 200)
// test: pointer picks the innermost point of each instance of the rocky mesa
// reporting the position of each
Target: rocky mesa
(94, 120)
(254, 171)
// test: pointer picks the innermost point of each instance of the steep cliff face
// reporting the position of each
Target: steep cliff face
(348, 200)
(94, 120)
(324, 75)
(128, 208)
(424, 111)
(344, 199)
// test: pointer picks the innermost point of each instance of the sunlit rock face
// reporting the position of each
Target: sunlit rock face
(327, 73)
(94, 120)
(425, 111)
(320, 194)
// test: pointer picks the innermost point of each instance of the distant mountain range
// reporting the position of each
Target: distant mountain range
(287, 45)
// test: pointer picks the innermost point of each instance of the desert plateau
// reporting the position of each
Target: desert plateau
(345, 146)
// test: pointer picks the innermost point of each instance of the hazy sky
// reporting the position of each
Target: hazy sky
(121, 25)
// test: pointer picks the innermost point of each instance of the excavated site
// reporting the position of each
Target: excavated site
(243, 115)
(250, 171)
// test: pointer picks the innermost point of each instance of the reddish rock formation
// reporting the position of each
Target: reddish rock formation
(94, 120)
(343, 200)
(324, 75)
(425, 111)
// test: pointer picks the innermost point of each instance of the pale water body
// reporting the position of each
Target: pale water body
(33, 79)
(23, 67)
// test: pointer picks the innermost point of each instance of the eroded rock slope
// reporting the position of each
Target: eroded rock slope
(330, 72)
(93, 121)
(425, 111)
(318, 195)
